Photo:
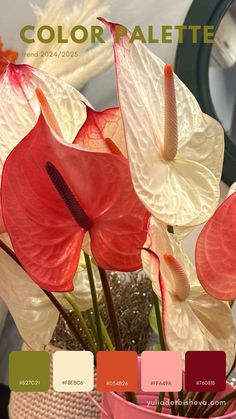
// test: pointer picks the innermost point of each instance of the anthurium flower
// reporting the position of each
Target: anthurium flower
(34, 314)
(216, 252)
(175, 151)
(20, 108)
(54, 192)
(193, 320)
(103, 132)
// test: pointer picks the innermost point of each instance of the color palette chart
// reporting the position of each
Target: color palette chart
(118, 371)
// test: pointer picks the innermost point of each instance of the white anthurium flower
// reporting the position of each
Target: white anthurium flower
(192, 319)
(34, 314)
(175, 151)
(82, 291)
(232, 189)
(75, 63)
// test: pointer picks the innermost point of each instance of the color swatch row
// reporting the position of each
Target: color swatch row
(73, 371)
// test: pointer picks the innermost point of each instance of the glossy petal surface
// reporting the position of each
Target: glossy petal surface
(216, 252)
(19, 107)
(164, 186)
(198, 323)
(100, 126)
(32, 311)
(45, 236)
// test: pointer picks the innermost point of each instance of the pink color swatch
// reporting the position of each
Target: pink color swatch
(161, 371)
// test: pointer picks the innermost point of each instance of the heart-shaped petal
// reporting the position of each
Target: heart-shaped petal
(146, 95)
(216, 252)
(101, 130)
(49, 188)
(34, 314)
(19, 107)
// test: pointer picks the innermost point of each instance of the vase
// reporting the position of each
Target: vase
(116, 407)
(53, 405)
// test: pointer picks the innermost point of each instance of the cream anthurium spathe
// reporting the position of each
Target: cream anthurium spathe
(192, 319)
(175, 151)
(34, 314)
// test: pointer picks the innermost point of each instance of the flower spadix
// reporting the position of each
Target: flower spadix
(54, 192)
(193, 320)
(175, 151)
(216, 252)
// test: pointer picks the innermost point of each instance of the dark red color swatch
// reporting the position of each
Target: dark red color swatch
(205, 371)
(117, 371)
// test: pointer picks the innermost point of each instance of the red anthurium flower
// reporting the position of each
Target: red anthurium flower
(216, 252)
(103, 131)
(54, 192)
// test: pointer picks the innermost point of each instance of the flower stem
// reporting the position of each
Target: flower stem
(95, 301)
(131, 397)
(67, 319)
(159, 321)
(203, 409)
(226, 399)
(162, 342)
(199, 397)
(92, 325)
(160, 400)
(111, 310)
(106, 336)
(181, 407)
(72, 301)
(51, 297)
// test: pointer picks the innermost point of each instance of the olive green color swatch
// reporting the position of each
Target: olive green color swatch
(29, 371)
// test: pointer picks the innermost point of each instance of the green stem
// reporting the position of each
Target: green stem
(199, 397)
(162, 342)
(159, 321)
(106, 336)
(226, 399)
(131, 397)
(92, 325)
(72, 301)
(160, 400)
(95, 302)
(202, 409)
(111, 310)
(172, 406)
(189, 398)
(181, 407)
(67, 319)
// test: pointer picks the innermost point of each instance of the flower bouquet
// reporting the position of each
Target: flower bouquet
(117, 190)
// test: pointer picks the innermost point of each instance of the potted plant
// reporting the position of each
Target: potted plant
(135, 181)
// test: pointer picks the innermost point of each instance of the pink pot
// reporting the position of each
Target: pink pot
(117, 407)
